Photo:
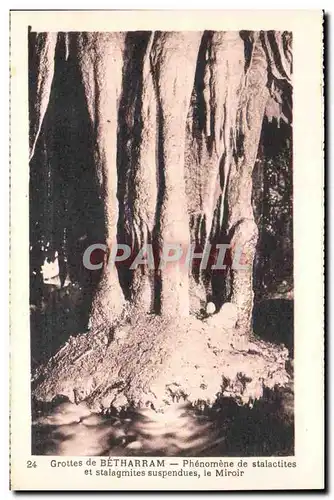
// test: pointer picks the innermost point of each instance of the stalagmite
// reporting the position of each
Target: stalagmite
(100, 58)
(241, 224)
(173, 63)
(145, 186)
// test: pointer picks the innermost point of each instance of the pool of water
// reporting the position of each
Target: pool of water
(227, 429)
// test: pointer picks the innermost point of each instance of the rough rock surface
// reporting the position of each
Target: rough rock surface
(153, 361)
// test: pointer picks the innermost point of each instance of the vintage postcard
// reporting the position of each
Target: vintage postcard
(167, 206)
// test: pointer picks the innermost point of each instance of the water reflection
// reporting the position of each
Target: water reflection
(225, 430)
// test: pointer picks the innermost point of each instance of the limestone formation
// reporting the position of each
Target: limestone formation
(175, 120)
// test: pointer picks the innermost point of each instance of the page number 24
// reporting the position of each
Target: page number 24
(31, 464)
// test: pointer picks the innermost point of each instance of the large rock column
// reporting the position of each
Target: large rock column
(173, 62)
(100, 58)
(241, 224)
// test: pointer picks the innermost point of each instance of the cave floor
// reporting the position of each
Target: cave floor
(207, 395)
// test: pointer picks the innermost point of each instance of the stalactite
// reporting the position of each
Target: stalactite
(42, 49)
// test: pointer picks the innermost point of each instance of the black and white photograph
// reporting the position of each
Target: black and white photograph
(161, 243)
(164, 191)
